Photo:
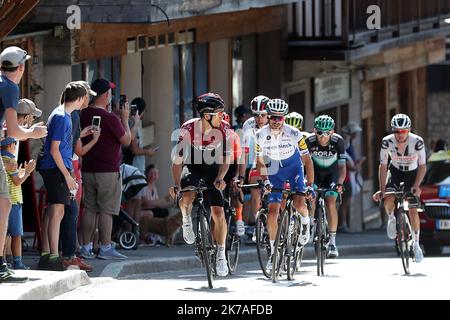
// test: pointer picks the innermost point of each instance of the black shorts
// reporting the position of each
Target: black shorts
(395, 177)
(326, 179)
(191, 176)
(57, 189)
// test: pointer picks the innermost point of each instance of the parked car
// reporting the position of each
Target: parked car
(435, 219)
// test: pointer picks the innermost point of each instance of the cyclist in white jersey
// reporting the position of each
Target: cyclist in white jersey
(259, 120)
(280, 151)
(408, 165)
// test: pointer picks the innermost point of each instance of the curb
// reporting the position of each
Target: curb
(123, 269)
(44, 285)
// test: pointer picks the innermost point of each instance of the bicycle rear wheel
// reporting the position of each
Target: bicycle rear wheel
(280, 246)
(293, 247)
(403, 235)
(207, 248)
(262, 241)
(232, 247)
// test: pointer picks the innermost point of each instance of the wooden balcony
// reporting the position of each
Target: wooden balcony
(337, 29)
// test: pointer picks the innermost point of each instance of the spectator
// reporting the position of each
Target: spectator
(56, 169)
(15, 180)
(150, 200)
(352, 183)
(101, 171)
(441, 144)
(12, 67)
(68, 228)
(241, 113)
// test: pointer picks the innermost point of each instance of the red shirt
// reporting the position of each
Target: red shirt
(106, 154)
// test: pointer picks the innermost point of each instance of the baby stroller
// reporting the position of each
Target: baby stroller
(133, 181)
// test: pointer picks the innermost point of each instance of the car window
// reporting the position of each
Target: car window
(437, 172)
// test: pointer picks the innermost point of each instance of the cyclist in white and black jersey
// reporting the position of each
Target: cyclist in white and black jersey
(281, 152)
(408, 165)
(328, 154)
(259, 120)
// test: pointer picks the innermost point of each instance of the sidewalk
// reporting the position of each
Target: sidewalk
(150, 259)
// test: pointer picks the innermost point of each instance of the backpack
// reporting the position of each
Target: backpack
(133, 181)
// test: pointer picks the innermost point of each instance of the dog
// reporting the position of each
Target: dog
(166, 227)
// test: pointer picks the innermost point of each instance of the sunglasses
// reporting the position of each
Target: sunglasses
(323, 133)
(220, 114)
(276, 118)
(401, 131)
(260, 115)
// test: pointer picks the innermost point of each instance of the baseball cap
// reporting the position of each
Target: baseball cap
(7, 141)
(12, 57)
(27, 106)
(87, 86)
(100, 86)
(351, 127)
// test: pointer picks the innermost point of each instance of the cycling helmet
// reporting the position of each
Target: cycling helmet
(277, 107)
(209, 102)
(400, 121)
(295, 119)
(226, 117)
(259, 104)
(324, 123)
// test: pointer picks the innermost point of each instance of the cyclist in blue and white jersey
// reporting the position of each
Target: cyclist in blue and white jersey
(328, 154)
(281, 152)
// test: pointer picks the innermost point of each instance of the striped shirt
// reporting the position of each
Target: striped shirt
(15, 192)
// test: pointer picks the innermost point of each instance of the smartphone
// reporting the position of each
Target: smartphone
(96, 123)
(122, 101)
(133, 109)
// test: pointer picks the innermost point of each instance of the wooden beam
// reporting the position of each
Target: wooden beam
(11, 17)
(94, 41)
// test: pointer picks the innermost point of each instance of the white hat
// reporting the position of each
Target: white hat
(12, 57)
(351, 127)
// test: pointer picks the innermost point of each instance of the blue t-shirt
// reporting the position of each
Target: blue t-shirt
(9, 95)
(59, 128)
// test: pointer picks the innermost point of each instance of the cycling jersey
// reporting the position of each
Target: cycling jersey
(413, 155)
(248, 142)
(236, 152)
(326, 158)
(198, 148)
(282, 154)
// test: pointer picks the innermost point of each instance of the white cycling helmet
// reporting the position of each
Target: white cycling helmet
(277, 107)
(400, 121)
(259, 104)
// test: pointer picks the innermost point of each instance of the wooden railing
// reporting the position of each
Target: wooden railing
(345, 21)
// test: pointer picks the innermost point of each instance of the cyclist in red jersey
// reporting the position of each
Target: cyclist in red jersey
(202, 154)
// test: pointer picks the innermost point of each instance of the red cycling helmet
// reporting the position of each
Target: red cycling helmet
(259, 104)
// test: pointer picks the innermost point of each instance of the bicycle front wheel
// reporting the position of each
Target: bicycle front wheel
(320, 241)
(280, 246)
(207, 248)
(403, 235)
(232, 247)
(262, 241)
(293, 247)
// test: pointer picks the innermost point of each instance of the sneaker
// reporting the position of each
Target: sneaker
(304, 237)
(56, 264)
(418, 254)
(20, 266)
(8, 276)
(269, 265)
(86, 254)
(110, 254)
(77, 263)
(391, 227)
(221, 267)
(188, 232)
(332, 252)
(43, 263)
(240, 228)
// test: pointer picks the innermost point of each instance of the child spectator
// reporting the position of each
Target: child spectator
(15, 180)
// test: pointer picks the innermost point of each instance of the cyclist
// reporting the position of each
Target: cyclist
(235, 174)
(296, 120)
(408, 165)
(280, 151)
(259, 109)
(328, 154)
(202, 154)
